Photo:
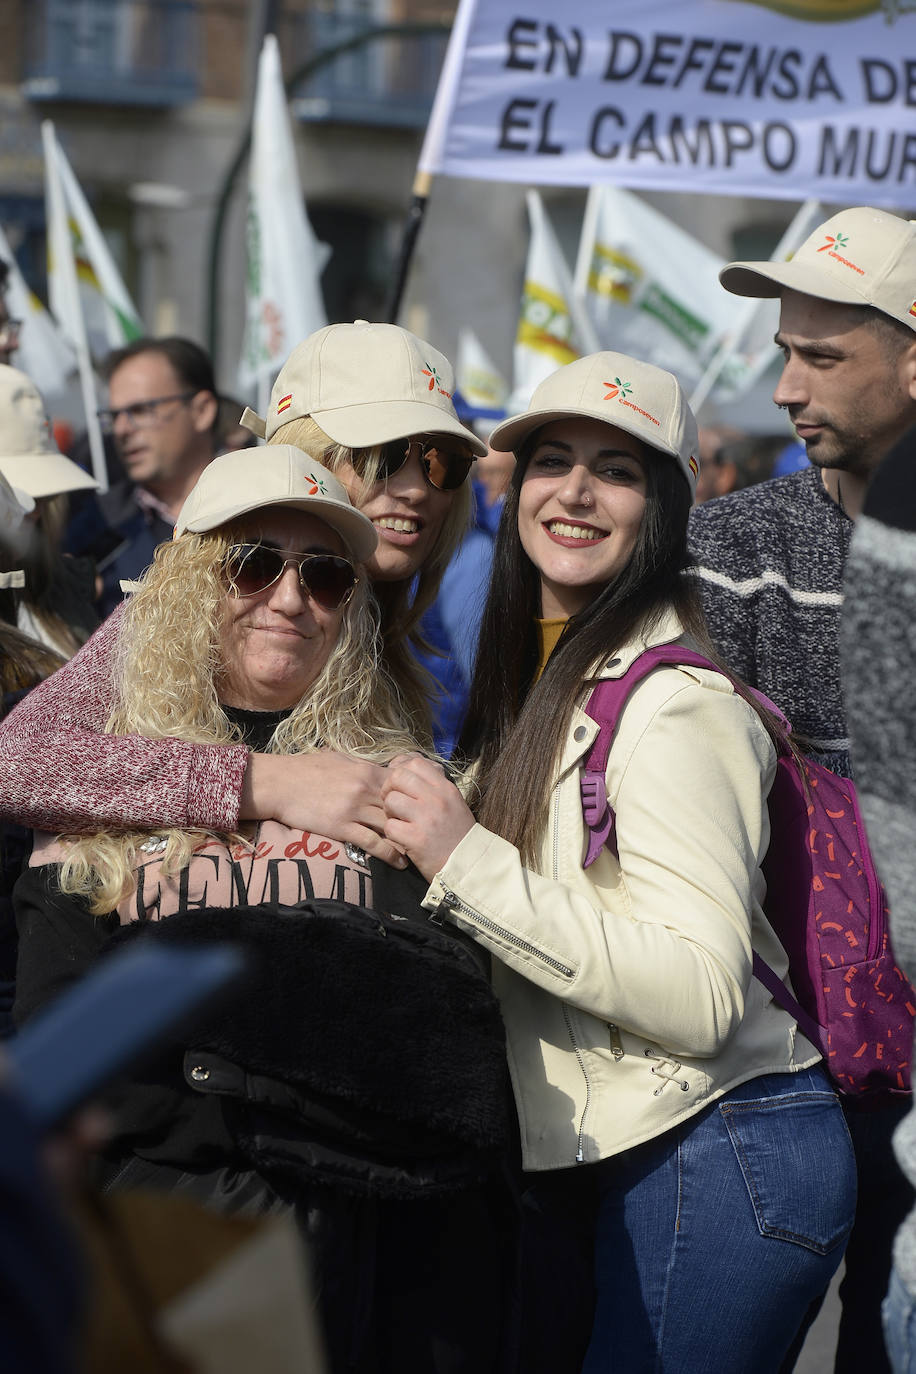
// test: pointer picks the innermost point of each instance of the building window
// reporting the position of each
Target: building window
(126, 52)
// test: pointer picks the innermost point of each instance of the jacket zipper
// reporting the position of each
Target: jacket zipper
(580, 1140)
(580, 1136)
(450, 899)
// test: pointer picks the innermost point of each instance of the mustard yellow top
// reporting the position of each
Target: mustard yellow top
(549, 632)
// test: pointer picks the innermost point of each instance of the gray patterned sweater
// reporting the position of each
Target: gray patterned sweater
(878, 644)
(770, 560)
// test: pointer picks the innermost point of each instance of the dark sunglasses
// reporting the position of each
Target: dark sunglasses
(444, 468)
(327, 579)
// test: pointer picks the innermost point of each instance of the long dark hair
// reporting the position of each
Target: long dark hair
(515, 727)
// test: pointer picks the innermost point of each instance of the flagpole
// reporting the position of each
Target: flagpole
(59, 243)
(415, 215)
(431, 151)
(721, 356)
(586, 242)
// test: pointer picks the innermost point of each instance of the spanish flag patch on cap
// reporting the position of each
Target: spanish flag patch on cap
(284, 403)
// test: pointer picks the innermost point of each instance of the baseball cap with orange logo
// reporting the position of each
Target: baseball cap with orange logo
(857, 257)
(249, 479)
(637, 397)
(365, 384)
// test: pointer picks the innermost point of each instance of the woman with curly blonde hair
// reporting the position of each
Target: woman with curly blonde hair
(360, 1082)
(373, 403)
(169, 678)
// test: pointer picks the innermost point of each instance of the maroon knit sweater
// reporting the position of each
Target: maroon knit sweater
(60, 772)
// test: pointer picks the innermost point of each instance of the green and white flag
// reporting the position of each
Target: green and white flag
(101, 310)
(285, 259)
(553, 328)
(477, 381)
(43, 352)
(85, 292)
(650, 288)
(747, 349)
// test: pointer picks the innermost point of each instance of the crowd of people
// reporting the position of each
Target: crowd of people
(521, 1091)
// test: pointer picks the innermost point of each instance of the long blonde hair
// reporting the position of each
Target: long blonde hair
(403, 603)
(168, 673)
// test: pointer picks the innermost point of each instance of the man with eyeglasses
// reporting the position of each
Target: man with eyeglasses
(162, 414)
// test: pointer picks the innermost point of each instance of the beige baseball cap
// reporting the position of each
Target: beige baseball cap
(857, 257)
(637, 397)
(249, 479)
(365, 384)
(14, 507)
(29, 457)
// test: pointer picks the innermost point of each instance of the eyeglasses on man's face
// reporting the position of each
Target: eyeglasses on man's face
(142, 414)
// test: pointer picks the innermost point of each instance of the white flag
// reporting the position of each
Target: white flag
(66, 296)
(747, 349)
(553, 328)
(284, 301)
(109, 316)
(650, 288)
(477, 381)
(42, 352)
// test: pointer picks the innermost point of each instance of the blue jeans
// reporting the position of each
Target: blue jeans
(899, 1314)
(713, 1239)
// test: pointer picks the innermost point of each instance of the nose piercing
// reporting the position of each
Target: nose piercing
(586, 499)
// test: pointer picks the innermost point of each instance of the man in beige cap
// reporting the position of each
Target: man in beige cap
(771, 560)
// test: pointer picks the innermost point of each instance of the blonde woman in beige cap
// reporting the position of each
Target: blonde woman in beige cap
(652, 1071)
(57, 602)
(358, 1083)
(373, 403)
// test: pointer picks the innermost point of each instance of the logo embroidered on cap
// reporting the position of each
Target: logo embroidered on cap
(620, 391)
(693, 465)
(284, 403)
(617, 386)
(913, 308)
(435, 381)
(317, 483)
(835, 241)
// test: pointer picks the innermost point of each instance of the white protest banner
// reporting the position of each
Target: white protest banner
(552, 328)
(284, 300)
(480, 390)
(772, 98)
(650, 288)
(42, 352)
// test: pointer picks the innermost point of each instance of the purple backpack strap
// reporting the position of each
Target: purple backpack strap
(604, 706)
(781, 994)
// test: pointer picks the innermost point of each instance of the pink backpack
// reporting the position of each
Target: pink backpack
(824, 901)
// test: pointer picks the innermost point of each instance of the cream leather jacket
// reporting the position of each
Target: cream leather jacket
(627, 989)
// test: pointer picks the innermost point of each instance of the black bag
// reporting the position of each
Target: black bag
(367, 1049)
